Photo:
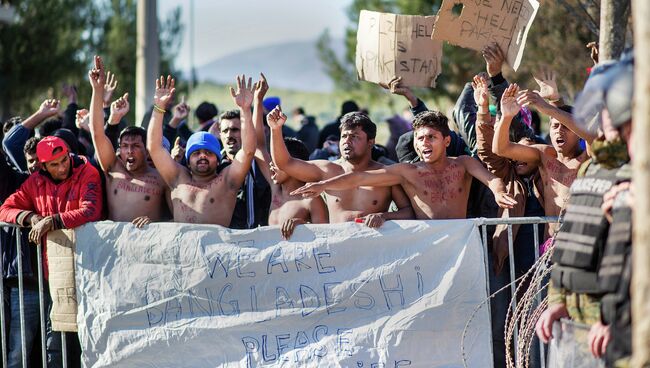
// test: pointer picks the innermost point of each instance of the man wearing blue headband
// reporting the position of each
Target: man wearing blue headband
(199, 194)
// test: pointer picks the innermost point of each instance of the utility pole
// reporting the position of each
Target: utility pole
(613, 25)
(640, 288)
(148, 58)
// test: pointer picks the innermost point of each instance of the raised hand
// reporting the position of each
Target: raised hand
(70, 91)
(546, 79)
(509, 105)
(395, 87)
(494, 59)
(243, 96)
(96, 75)
(49, 108)
(261, 87)
(109, 87)
(310, 190)
(82, 119)
(593, 51)
(178, 151)
(276, 118)
(164, 94)
(480, 85)
(181, 111)
(119, 108)
(528, 97)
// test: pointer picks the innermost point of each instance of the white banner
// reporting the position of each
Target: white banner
(343, 295)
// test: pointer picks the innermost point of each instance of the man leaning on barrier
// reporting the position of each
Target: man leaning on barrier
(64, 194)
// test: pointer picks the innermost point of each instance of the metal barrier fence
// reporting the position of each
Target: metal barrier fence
(534, 221)
(484, 223)
(21, 288)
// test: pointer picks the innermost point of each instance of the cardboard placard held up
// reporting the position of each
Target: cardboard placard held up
(390, 45)
(482, 22)
(60, 261)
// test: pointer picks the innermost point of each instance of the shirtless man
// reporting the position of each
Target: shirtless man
(199, 194)
(135, 192)
(437, 185)
(286, 210)
(558, 164)
(368, 203)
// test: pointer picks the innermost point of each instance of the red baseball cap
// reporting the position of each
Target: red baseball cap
(46, 147)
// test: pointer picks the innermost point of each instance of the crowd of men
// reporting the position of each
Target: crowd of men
(245, 168)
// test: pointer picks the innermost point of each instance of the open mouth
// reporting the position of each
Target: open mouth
(427, 152)
(560, 141)
(202, 162)
(130, 160)
(520, 165)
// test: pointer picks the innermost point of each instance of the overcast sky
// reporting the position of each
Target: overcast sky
(223, 27)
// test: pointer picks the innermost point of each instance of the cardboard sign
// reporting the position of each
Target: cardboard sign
(475, 24)
(390, 45)
(60, 261)
(334, 295)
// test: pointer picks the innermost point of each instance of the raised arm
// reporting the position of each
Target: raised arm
(501, 143)
(241, 164)
(528, 97)
(496, 185)
(262, 155)
(496, 164)
(165, 164)
(386, 177)
(307, 171)
(103, 147)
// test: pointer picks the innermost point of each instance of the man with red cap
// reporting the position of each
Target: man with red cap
(65, 193)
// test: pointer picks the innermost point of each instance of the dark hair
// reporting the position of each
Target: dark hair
(30, 146)
(566, 108)
(432, 119)
(296, 148)
(133, 131)
(355, 119)
(229, 114)
(50, 126)
(70, 139)
(206, 111)
(349, 106)
(299, 110)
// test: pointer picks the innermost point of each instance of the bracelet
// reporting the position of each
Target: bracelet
(159, 109)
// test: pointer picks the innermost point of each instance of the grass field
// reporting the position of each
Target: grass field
(324, 106)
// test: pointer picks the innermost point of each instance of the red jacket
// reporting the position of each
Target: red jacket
(72, 202)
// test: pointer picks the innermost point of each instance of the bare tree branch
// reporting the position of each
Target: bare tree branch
(591, 25)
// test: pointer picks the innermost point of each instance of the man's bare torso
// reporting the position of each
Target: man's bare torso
(557, 176)
(438, 193)
(347, 205)
(285, 206)
(212, 202)
(134, 196)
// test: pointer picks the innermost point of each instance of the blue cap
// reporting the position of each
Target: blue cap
(270, 103)
(202, 140)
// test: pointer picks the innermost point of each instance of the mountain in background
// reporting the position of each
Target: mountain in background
(291, 65)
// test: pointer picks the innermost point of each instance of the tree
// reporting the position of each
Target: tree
(53, 42)
(46, 40)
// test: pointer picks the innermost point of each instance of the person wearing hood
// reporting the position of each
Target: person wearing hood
(65, 193)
